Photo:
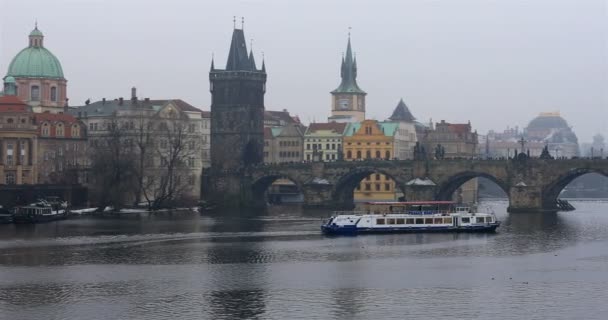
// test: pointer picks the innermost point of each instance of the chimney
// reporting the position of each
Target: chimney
(103, 101)
(133, 94)
(147, 99)
(120, 100)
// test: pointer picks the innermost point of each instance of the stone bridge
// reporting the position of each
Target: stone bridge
(532, 185)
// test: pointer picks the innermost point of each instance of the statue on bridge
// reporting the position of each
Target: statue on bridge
(439, 152)
(419, 152)
(545, 155)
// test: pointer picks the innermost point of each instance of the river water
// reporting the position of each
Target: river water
(277, 265)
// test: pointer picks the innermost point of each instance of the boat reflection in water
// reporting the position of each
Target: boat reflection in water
(417, 216)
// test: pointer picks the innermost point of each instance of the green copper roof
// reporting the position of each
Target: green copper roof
(36, 32)
(35, 61)
(348, 73)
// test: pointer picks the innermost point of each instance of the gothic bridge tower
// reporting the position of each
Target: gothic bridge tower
(237, 109)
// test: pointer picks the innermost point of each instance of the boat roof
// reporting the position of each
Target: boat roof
(415, 203)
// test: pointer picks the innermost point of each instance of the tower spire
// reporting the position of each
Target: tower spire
(212, 61)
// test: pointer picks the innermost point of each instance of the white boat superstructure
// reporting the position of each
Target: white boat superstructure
(410, 217)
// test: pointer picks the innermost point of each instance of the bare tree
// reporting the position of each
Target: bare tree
(178, 150)
(112, 166)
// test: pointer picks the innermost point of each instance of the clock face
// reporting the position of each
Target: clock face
(343, 104)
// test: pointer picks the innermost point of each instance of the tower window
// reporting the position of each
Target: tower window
(35, 93)
(54, 94)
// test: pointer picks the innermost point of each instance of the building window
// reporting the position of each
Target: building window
(75, 131)
(387, 186)
(191, 127)
(378, 155)
(368, 186)
(359, 154)
(191, 161)
(35, 93)
(333, 146)
(377, 187)
(9, 154)
(377, 176)
(349, 154)
(59, 132)
(307, 156)
(10, 178)
(54, 94)
(368, 154)
(22, 153)
(308, 146)
(46, 130)
(387, 155)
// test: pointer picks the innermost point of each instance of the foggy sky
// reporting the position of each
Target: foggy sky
(496, 63)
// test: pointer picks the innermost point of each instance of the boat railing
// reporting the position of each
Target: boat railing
(346, 212)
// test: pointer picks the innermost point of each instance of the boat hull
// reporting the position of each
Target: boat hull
(351, 230)
(38, 218)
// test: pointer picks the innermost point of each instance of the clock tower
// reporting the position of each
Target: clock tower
(348, 100)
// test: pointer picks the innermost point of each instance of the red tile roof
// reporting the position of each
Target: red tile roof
(334, 126)
(459, 128)
(267, 133)
(12, 104)
(54, 117)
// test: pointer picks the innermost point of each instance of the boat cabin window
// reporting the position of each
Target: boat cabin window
(390, 221)
(488, 219)
(447, 220)
(438, 221)
(428, 221)
(379, 221)
(400, 221)
(419, 221)
(465, 220)
(409, 221)
(480, 219)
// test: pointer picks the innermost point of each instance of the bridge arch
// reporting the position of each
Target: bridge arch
(261, 185)
(552, 191)
(446, 189)
(343, 191)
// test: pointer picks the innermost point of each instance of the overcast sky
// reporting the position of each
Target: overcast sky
(496, 63)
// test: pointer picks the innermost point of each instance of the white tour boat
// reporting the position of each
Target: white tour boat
(414, 216)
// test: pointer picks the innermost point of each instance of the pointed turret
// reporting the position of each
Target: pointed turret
(402, 113)
(237, 58)
(252, 60)
(263, 64)
(212, 64)
(348, 72)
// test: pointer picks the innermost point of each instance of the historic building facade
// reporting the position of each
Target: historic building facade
(237, 109)
(38, 76)
(283, 144)
(348, 100)
(18, 142)
(62, 149)
(323, 141)
(156, 127)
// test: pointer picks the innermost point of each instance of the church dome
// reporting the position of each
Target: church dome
(548, 120)
(35, 61)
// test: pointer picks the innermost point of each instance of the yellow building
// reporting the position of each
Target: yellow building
(371, 139)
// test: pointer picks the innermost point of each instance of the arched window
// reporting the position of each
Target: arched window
(378, 154)
(35, 93)
(349, 154)
(54, 94)
(359, 154)
(368, 154)
(59, 131)
(46, 129)
(388, 154)
(75, 131)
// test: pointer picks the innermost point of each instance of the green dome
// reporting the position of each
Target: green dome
(35, 62)
(36, 32)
